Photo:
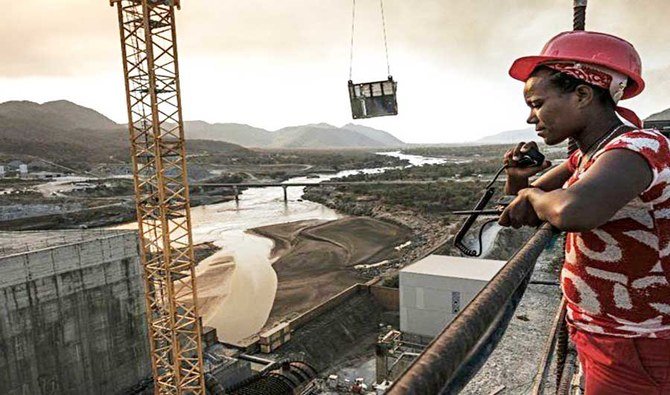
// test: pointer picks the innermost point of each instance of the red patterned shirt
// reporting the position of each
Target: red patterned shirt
(616, 277)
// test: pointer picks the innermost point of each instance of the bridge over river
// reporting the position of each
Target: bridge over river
(285, 185)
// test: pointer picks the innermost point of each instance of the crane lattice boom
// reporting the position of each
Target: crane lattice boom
(149, 49)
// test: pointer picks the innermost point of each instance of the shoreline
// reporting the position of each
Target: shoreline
(282, 234)
(314, 259)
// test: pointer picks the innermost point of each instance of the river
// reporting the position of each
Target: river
(239, 304)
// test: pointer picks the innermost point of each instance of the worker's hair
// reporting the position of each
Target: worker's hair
(567, 84)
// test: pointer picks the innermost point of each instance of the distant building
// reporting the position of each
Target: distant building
(23, 171)
(14, 168)
(14, 165)
(45, 175)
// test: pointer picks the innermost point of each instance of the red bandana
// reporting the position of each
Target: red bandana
(584, 73)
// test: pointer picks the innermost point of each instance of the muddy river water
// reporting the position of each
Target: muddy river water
(239, 304)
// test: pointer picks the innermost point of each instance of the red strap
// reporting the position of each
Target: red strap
(629, 116)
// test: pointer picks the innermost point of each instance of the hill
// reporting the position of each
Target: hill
(70, 134)
(60, 114)
(659, 116)
(315, 136)
(73, 135)
(321, 136)
(234, 133)
(510, 137)
(376, 134)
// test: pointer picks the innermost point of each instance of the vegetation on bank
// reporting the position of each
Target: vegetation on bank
(436, 199)
(477, 152)
(455, 185)
(466, 151)
(334, 160)
(433, 172)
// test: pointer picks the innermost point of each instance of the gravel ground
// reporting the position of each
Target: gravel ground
(513, 365)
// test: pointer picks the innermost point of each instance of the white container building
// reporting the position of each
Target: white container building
(435, 289)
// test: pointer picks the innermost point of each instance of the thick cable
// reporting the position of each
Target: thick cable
(351, 49)
(579, 16)
(578, 23)
(495, 177)
(386, 47)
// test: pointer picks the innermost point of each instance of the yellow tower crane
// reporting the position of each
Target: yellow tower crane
(151, 71)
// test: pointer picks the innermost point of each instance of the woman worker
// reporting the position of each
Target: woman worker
(612, 197)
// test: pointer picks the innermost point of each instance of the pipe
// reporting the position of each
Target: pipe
(484, 348)
(256, 359)
(545, 364)
(439, 365)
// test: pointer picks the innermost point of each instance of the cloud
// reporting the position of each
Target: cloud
(81, 35)
(445, 54)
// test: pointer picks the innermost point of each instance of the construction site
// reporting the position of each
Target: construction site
(270, 272)
(74, 321)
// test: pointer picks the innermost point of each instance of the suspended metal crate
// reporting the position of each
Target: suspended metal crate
(373, 99)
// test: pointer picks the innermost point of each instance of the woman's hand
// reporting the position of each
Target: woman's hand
(517, 177)
(520, 212)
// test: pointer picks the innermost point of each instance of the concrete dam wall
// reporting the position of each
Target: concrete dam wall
(72, 313)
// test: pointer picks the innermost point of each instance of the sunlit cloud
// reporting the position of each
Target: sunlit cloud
(278, 63)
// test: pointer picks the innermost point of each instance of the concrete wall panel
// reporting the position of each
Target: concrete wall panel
(13, 268)
(72, 319)
(67, 258)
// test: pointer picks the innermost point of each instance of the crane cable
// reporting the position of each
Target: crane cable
(386, 46)
(353, 28)
(351, 50)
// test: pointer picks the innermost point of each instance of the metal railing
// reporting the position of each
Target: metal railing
(458, 352)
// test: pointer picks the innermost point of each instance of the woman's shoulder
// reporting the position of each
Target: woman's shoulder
(652, 146)
(650, 143)
(642, 139)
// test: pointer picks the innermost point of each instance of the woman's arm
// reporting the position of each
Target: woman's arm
(616, 178)
(518, 177)
(554, 178)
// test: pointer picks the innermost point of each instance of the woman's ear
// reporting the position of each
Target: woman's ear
(585, 95)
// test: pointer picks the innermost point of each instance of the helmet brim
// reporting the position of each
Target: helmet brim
(522, 69)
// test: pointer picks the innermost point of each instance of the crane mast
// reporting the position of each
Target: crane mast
(149, 50)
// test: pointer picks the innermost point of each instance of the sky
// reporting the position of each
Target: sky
(273, 64)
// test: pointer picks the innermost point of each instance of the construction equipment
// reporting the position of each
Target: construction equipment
(150, 66)
(372, 99)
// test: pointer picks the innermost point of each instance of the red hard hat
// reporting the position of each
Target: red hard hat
(594, 48)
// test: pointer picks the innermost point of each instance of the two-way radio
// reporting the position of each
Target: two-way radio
(532, 157)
